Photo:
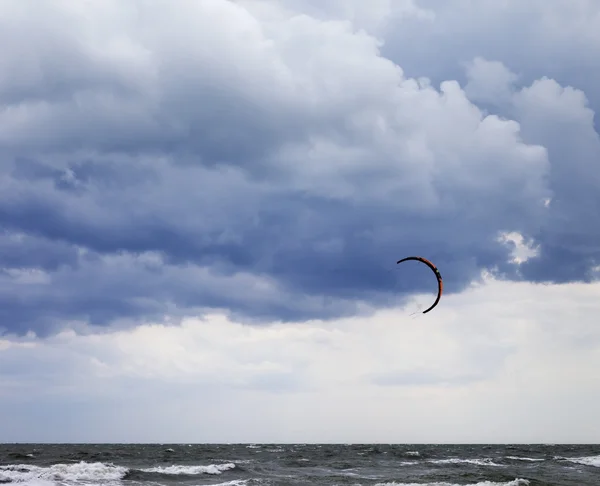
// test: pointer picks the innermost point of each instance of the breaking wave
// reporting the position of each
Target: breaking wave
(584, 461)
(515, 482)
(478, 462)
(98, 472)
(528, 459)
(191, 470)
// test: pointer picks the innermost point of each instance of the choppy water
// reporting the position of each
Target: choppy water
(299, 464)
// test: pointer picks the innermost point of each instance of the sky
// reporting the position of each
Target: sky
(202, 204)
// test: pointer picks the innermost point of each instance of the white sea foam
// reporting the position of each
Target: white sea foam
(515, 482)
(235, 482)
(82, 471)
(92, 472)
(412, 453)
(191, 470)
(478, 462)
(529, 459)
(585, 461)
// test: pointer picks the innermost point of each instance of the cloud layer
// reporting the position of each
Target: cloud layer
(272, 161)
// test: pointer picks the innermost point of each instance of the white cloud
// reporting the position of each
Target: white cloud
(475, 369)
(489, 81)
(522, 250)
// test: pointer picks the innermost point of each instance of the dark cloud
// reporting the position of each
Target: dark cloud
(276, 170)
(25, 251)
(521, 35)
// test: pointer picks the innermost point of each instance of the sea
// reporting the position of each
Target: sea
(298, 464)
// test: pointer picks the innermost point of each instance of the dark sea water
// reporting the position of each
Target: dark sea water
(299, 464)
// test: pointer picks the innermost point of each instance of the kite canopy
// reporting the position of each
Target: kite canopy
(437, 274)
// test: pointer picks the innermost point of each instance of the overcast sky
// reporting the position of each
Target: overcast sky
(202, 203)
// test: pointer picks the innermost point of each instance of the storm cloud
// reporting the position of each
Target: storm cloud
(273, 161)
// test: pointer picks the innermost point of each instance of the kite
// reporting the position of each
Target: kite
(437, 274)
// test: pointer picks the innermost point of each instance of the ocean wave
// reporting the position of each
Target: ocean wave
(190, 470)
(529, 459)
(584, 461)
(20, 455)
(235, 482)
(514, 482)
(478, 462)
(97, 472)
(82, 471)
